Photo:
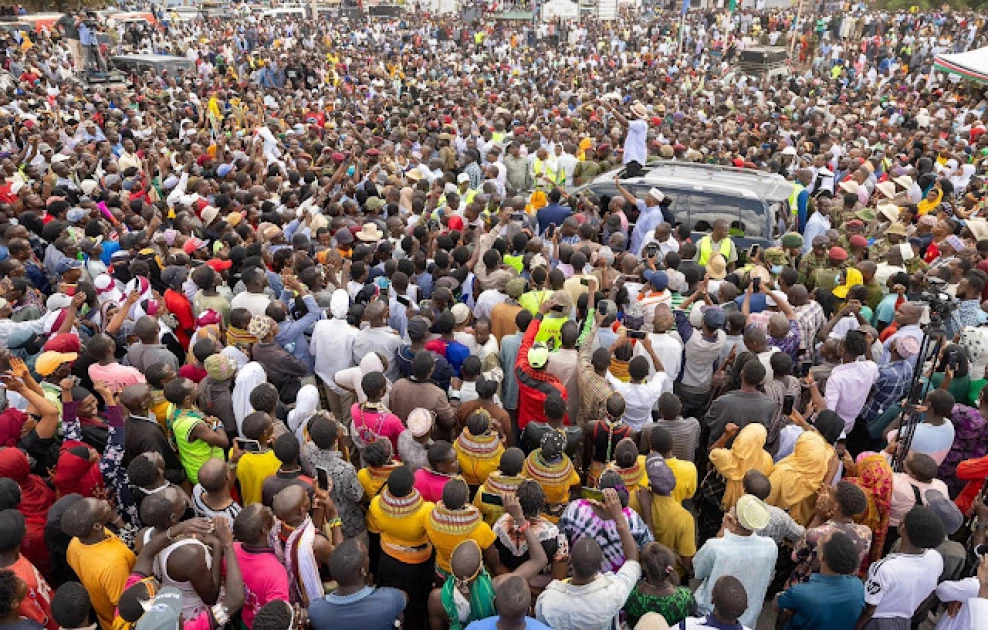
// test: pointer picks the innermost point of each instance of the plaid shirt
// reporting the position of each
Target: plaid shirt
(889, 388)
(790, 343)
(594, 389)
(810, 319)
(781, 527)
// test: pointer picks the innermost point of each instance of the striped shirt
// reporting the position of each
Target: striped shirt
(685, 436)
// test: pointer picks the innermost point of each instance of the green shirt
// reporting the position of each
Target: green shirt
(191, 451)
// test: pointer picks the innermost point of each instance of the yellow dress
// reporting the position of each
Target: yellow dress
(371, 479)
(478, 455)
(556, 479)
(401, 523)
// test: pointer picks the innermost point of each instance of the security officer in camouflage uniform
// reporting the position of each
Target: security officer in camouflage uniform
(814, 259)
(827, 277)
(596, 163)
(792, 243)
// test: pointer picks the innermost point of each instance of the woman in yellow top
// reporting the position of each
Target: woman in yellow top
(723, 485)
(552, 468)
(379, 466)
(478, 449)
(399, 515)
(453, 521)
(797, 478)
(500, 483)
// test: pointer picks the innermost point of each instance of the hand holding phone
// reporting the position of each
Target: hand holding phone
(248, 446)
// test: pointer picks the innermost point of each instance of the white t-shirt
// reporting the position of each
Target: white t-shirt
(899, 583)
(636, 142)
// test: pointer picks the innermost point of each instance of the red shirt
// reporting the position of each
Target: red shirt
(192, 372)
(37, 605)
(534, 385)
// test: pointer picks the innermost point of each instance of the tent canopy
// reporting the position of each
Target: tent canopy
(972, 64)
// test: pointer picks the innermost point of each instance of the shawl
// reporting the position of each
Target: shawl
(925, 206)
(747, 453)
(481, 599)
(306, 404)
(304, 582)
(36, 496)
(239, 337)
(75, 474)
(11, 422)
(799, 475)
(247, 380)
(875, 479)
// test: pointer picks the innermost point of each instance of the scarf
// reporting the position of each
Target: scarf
(747, 453)
(11, 422)
(239, 337)
(926, 206)
(481, 604)
(875, 479)
(74, 473)
(799, 475)
(36, 496)
(297, 556)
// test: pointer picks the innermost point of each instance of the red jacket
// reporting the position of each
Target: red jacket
(534, 385)
(974, 472)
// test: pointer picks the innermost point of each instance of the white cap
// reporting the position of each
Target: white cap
(462, 178)
(789, 151)
(656, 194)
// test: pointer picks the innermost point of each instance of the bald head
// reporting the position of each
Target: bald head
(290, 504)
(908, 314)
(213, 475)
(136, 398)
(376, 312)
(466, 559)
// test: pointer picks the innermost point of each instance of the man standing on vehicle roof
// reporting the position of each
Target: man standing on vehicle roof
(717, 242)
(649, 214)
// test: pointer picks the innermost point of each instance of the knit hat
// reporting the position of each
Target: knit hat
(752, 513)
(260, 326)
(220, 367)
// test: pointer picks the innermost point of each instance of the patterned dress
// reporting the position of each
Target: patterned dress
(673, 608)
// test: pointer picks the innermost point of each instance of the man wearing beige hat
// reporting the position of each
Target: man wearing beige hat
(740, 553)
(636, 141)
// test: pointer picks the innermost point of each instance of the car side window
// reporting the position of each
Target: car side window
(745, 216)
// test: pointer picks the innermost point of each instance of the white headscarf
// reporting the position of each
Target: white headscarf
(306, 404)
(350, 378)
(248, 378)
(339, 304)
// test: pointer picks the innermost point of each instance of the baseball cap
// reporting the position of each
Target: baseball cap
(538, 355)
(945, 509)
(218, 264)
(48, 362)
(65, 264)
(752, 513)
(163, 611)
(658, 278)
(714, 318)
(660, 476)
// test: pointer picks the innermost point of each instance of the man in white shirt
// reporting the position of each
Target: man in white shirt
(332, 349)
(899, 583)
(642, 392)
(591, 600)
(665, 343)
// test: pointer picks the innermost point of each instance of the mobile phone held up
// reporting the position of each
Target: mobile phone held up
(248, 446)
(787, 404)
(322, 477)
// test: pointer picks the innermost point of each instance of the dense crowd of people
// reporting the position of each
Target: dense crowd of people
(325, 332)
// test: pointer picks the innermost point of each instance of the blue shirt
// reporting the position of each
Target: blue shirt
(491, 624)
(368, 609)
(826, 602)
(292, 333)
(648, 220)
(751, 559)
